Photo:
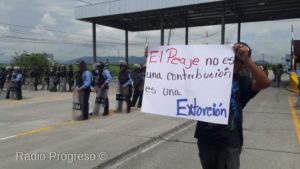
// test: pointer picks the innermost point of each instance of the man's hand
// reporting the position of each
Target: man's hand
(78, 89)
(124, 85)
(241, 52)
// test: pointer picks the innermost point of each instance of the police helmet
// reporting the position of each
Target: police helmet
(123, 64)
(137, 66)
(81, 64)
(101, 64)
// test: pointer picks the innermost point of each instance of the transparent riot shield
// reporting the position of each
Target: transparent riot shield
(6, 84)
(13, 91)
(62, 84)
(44, 83)
(30, 84)
(26, 83)
(121, 102)
(100, 101)
(77, 105)
(52, 84)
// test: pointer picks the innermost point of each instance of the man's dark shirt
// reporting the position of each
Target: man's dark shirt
(230, 135)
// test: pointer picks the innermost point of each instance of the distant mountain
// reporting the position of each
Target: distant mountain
(111, 60)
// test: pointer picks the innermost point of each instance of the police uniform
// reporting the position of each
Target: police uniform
(83, 81)
(103, 78)
(16, 79)
(70, 75)
(138, 80)
(124, 85)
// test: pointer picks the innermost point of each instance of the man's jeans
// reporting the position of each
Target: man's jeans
(212, 157)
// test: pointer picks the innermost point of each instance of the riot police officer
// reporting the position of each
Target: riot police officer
(83, 84)
(70, 77)
(2, 78)
(34, 74)
(56, 77)
(102, 80)
(45, 78)
(52, 83)
(62, 78)
(124, 84)
(138, 80)
(16, 81)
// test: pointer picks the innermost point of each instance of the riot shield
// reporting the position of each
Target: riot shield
(44, 83)
(121, 100)
(62, 84)
(52, 84)
(30, 84)
(77, 105)
(13, 90)
(26, 83)
(6, 84)
(100, 101)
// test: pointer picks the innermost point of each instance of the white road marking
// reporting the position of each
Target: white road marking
(172, 135)
(5, 138)
(149, 148)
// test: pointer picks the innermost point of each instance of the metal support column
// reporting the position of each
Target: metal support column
(126, 46)
(223, 25)
(239, 32)
(162, 31)
(187, 32)
(94, 43)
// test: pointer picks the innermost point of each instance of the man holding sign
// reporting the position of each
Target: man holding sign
(207, 83)
(220, 145)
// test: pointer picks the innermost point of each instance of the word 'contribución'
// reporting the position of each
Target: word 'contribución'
(189, 76)
(170, 56)
(195, 110)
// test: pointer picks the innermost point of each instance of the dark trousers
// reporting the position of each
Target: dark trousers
(36, 84)
(140, 99)
(70, 85)
(19, 91)
(137, 95)
(86, 97)
(128, 101)
(2, 81)
(213, 157)
(48, 83)
(7, 93)
(106, 106)
(128, 98)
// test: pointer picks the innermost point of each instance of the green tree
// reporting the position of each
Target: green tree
(29, 60)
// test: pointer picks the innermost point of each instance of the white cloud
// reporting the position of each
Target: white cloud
(48, 19)
(40, 29)
(62, 8)
(4, 29)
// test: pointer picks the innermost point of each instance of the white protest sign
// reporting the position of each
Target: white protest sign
(192, 82)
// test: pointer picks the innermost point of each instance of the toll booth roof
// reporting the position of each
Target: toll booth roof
(142, 15)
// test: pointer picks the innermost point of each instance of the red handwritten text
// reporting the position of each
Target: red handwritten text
(171, 57)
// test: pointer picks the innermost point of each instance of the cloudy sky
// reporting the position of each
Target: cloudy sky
(49, 26)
